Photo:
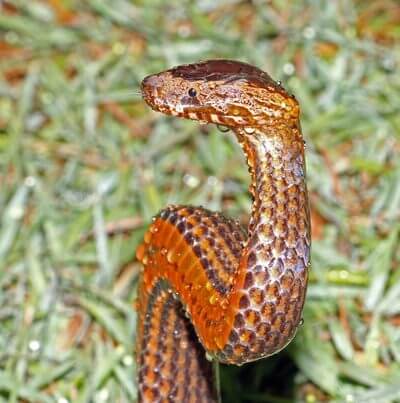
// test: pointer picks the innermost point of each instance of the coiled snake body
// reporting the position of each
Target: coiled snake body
(240, 293)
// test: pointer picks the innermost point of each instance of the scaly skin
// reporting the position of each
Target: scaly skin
(241, 295)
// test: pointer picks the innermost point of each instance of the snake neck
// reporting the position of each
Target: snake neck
(278, 231)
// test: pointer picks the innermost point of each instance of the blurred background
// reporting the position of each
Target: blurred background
(84, 165)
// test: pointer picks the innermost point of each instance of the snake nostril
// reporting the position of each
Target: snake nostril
(150, 88)
(151, 82)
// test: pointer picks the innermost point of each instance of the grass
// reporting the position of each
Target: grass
(85, 164)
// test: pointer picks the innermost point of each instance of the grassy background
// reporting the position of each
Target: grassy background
(84, 164)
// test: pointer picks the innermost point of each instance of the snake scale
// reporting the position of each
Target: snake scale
(207, 283)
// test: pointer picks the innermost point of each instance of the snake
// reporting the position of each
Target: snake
(211, 291)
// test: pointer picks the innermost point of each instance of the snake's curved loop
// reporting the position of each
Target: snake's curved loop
(204, 278)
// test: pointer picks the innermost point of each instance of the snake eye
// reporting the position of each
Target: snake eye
(192, 92)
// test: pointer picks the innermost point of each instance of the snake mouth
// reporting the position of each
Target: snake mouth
(149, 89)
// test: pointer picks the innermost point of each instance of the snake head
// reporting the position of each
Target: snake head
(225, 92)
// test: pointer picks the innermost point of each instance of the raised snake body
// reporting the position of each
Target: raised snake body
(241, 294)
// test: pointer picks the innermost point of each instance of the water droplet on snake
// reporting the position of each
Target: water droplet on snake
(249, 130)
(153, 229)
(223, 129)
(147, 236)
(172, 256)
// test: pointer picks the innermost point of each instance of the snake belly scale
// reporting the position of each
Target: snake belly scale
(208, 284)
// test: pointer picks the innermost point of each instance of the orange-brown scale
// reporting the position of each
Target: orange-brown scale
(172, 347)
(173, 253)
(243, 295)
